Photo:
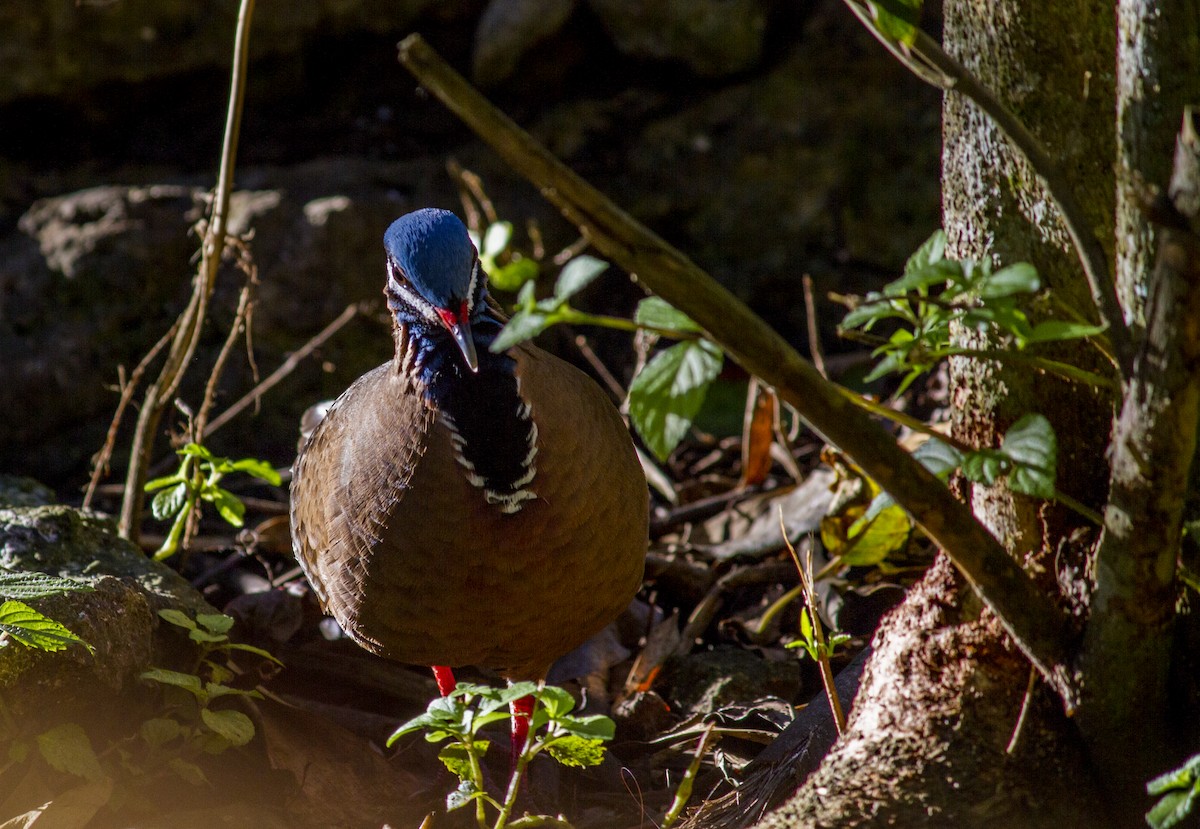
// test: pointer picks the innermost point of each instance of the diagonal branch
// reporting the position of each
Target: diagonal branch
(1038, 627)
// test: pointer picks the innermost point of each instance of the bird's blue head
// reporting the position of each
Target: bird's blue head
(434, 278)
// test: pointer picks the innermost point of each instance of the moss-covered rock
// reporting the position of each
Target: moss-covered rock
(117, 617)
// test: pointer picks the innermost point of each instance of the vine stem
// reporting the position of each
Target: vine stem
(187, 335)
(577, 317)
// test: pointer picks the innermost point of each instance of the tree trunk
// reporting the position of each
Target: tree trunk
(930, 741)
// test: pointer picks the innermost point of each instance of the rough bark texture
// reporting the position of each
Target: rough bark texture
(1127, 651)
(1158, 69)
(1050, 63)
(926, 744)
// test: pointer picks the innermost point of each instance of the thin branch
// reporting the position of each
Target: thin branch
(245, 303)
(925, 54)
(128, 389)
(1039, 628)
(187, 335)
(286, 368)
(814, 337)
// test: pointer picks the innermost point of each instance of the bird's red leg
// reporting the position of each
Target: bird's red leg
(444, 677)
(522, 710)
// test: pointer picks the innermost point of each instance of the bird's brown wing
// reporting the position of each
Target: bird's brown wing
(348, 478)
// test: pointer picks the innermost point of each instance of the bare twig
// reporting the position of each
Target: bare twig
(1020, 724)
(814, 336)
(286, 368)
(128, 389)
(593, 360)
(187, 333)
(240, 321)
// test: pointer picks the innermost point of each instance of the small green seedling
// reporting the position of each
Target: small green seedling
(817, 650)
(459, 718)
(198, 479)
(191, 722)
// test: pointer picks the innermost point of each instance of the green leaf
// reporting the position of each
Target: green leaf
(195, 450)
(1056, 330)
(1174, 806)
(515, 691)
(1182, 777)
(241, 646)
(463, 795)
(215, 622)
(871, 540)
(577, 275)
(198, 635)
(558, 701)
(228, 505)
(159, 483)
(259, 469)
(232, 725)
(441, 714)
(668, 392)
(1021, 278)
(67, 748)
(514, 275)
(169, 502)
(415, 724)
(591, 727)
(496, 239)
(21, 585)
(932, 250)
(524, 325)
(577, 752)
(158, 731)
(177, 679)
(938, 457)
(985, 466)
(456, 758)
(189, 772)
(215, 690)
(806, 625)
(177, 618)
(34, 630)
(1033, 447)
(658, 313)
(897, 19)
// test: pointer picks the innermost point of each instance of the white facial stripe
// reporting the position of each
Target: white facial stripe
(415, 300)
(471, 289)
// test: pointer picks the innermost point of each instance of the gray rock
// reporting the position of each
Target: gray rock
(117, 618)
(510, 28)
(703, 682)
(711, 37)
(16, 491)
(52, 48)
